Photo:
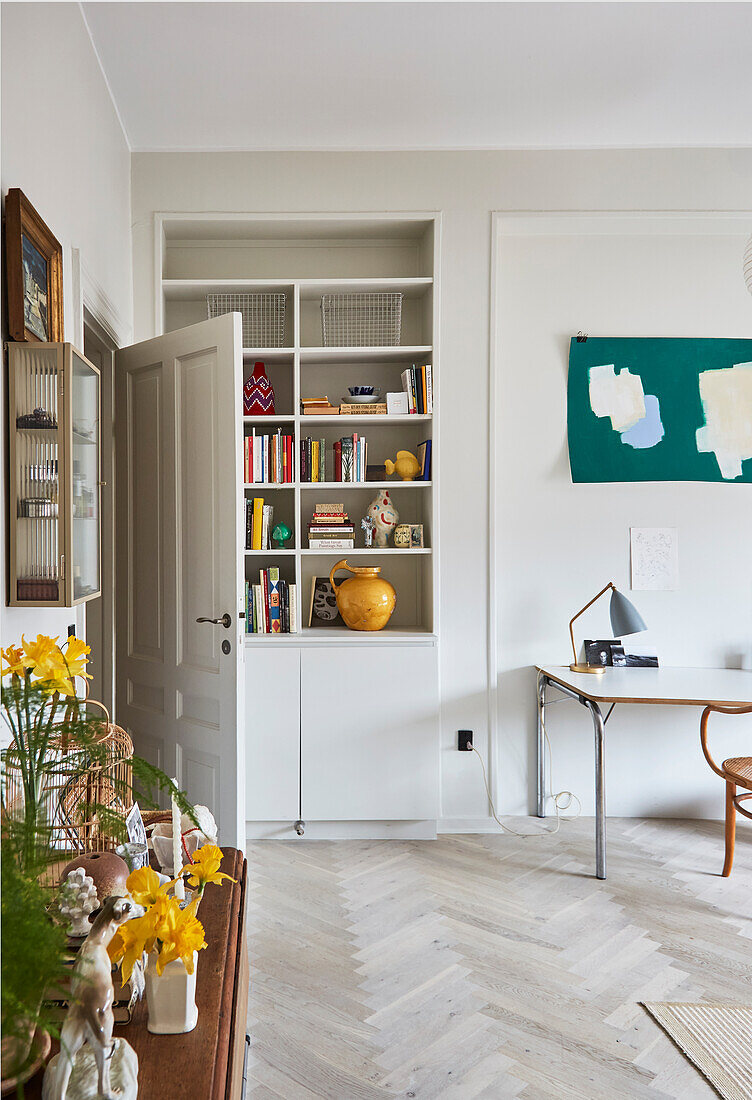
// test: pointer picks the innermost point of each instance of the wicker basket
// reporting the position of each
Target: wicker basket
(263, 316)
(361, 320)
(65, 794)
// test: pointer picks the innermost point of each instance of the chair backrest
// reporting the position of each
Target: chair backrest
(704, 731)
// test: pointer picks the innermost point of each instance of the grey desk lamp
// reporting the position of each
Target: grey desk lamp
(625, 619)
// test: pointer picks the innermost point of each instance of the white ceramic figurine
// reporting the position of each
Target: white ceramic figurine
(384, 515)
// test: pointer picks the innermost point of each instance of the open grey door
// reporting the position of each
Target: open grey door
(180, 567)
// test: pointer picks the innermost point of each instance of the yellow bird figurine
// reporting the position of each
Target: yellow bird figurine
(405, 464)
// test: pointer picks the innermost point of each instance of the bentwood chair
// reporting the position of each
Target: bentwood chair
(736, 772)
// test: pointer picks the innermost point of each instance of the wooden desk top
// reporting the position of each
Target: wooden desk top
(692, 687)
(196, 1064)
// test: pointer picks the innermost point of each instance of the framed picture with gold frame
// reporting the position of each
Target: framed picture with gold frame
(34, 265)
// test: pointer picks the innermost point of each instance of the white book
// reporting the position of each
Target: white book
(331, 544)
(293, 594)
(429, 389)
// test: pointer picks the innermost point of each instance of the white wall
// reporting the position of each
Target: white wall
(63, 145)
(559, 543)
(467, 187)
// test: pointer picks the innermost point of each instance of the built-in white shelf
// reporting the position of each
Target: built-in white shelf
(270, 484)
(365, 485)
(265, 553)
(407, 354)
(269, 355)
(411, 287)
(285, 418)
(340, 635)
(375, 551)
(365, 418)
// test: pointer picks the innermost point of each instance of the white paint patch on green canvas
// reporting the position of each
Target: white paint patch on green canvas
(726, 397)
(619, 396)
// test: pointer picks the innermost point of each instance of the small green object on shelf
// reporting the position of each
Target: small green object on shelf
(281, 534)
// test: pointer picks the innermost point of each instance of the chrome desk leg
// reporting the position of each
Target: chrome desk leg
(541, 745)
(600, 789)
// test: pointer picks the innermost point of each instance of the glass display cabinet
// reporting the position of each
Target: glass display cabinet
(54, 483)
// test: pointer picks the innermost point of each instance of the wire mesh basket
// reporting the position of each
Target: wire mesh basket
(71, 785)
(263, 316)
(361, 320)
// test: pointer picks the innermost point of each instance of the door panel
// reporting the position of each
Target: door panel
(369, 734)
(179, 525)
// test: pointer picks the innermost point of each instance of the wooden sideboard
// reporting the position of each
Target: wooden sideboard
(207, 1063)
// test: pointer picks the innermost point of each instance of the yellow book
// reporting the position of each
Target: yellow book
(315, 460)
(258, 519)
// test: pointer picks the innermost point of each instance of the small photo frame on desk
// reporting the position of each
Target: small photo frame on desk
(598, 652)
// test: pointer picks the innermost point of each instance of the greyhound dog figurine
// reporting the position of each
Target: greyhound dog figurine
(90, 1018)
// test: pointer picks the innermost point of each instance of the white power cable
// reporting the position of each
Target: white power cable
(559, 804)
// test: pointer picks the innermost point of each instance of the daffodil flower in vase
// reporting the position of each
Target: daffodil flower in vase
(171, 936)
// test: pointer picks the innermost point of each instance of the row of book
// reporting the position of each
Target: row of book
(330, 528)
(417, 382)
(268, 458)
(350, 455)
(258, 524)
(271, 606)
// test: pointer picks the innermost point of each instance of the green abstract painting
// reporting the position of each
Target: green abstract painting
(649, 409)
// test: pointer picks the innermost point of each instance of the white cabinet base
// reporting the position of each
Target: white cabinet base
(342, 830)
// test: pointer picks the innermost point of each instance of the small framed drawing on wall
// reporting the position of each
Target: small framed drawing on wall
(34, 265)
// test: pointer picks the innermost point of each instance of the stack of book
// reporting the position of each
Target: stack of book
(312, 459)
(268, 458)
(271, 606)
(318, 406)
(417, 383)
(350, 458)
(376, 408)
(258, 524)
(330, 528)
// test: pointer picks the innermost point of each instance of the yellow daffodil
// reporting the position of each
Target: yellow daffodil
(13, 661)
(131, 940)
(205, 867)
(76, 658)
(181, 935)
(145, 888)
(43, 657)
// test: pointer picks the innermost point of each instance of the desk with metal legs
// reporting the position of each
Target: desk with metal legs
(690, 687)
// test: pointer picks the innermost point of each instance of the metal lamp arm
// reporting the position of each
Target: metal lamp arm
(581, 612)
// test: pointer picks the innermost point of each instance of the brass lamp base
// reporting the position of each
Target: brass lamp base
(596, 670)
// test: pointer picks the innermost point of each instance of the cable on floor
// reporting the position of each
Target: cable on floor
(562, 801)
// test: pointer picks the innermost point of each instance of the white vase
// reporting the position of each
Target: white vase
(171, 997)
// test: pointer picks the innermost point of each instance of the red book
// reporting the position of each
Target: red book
(290, 466)
(338, 461)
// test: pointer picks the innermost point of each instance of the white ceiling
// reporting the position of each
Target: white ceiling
(427, 75)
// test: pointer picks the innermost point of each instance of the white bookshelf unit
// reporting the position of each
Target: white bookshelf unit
(306, 257)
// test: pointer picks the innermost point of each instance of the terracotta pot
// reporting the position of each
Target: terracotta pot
(171, 997)
(108, 869)
(22, 1057)
(365, 600)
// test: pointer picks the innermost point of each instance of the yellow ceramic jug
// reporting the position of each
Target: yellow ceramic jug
(365, 601)
(405, 464)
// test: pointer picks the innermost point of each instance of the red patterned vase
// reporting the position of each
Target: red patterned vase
(258, 393)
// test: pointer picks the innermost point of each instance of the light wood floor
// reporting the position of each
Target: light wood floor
(478, 966)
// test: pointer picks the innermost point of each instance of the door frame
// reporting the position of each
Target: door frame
(93, 309)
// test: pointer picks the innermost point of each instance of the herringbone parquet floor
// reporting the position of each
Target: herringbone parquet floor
(489, 966)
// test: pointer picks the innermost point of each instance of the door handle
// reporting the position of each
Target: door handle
(225, 621)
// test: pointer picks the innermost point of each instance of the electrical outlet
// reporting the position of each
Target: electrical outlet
(71, 630)
(465, 740)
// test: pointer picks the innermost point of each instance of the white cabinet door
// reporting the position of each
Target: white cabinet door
(272, 708)
(179, 530)
(369, 733)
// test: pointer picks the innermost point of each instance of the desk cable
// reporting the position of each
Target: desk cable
(562, 801)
